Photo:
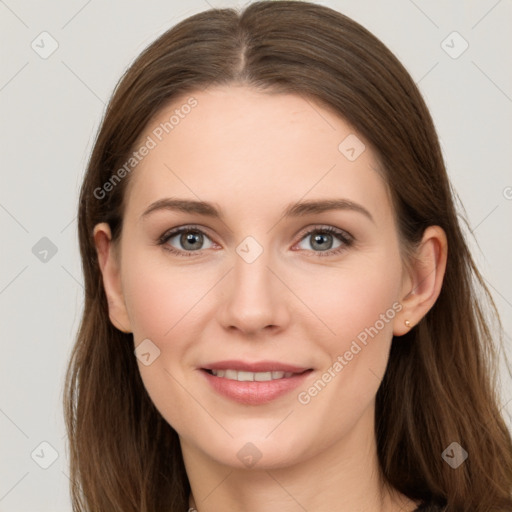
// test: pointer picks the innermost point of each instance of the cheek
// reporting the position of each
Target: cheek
(354, 297)
(163, 304)
(160, 297)
(358, 303)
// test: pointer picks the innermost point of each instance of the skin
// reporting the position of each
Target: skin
(252, 154)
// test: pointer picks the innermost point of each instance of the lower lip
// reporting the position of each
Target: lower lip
(253, 392)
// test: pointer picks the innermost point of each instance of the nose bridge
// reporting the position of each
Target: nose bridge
(255, 298)
(251, 269)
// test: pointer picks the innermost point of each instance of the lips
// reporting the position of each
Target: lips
(254, 383)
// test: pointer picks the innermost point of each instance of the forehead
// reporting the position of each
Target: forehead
(234, 143)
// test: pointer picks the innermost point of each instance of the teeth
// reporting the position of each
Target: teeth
(243, 376)
(230, 374)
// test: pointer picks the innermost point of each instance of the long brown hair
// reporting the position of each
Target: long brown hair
(440, 385)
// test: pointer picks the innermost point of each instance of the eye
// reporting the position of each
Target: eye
(190, 238)
(324, 237)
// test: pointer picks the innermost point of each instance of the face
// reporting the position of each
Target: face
(263, 286)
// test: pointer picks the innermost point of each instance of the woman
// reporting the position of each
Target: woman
(226, 361)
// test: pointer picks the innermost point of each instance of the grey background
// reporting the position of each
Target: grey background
(51, 109)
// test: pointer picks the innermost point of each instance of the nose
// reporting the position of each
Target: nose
(256, 298)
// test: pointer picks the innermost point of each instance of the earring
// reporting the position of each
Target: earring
(407, 323)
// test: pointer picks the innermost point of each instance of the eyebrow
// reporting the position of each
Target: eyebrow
(300, 209)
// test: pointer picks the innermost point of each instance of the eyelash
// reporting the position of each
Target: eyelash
(343, 236)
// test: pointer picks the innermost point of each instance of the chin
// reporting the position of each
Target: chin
(256, 452)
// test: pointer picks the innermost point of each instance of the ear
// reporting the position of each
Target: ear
(423, 280)
(109, 264)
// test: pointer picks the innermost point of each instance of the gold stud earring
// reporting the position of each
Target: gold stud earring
(407, 323)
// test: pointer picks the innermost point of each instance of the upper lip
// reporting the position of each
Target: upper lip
(258, 366)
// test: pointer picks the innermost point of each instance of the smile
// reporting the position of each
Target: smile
(254, 387)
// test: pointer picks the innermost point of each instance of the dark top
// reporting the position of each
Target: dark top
(427, 507)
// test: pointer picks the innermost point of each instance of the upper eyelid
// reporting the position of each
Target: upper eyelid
(170, 233)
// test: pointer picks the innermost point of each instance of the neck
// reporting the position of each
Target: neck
(342, 477)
